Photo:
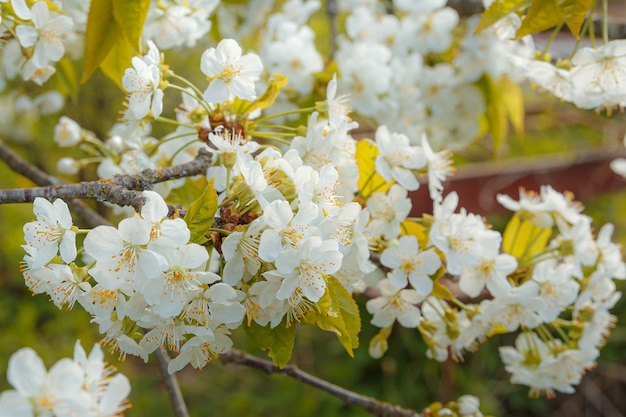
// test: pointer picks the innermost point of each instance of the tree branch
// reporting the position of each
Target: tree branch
(122, 190)
(39, 177)
(369, 404)
(171, 383)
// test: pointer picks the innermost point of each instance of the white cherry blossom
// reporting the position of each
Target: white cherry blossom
(409, 264)
(51, 233)
(231, 74)
(47, 36)
(395, 304)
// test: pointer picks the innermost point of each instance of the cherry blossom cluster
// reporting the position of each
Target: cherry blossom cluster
(557, 288)
(301, 211)
(592, 79)
(411, 69)
(83, 386)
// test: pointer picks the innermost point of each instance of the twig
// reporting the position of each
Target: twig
(39, 177)
(369, 404)
(122, 190)
(171, 383)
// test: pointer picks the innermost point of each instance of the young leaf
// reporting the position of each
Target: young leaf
(270, 95)
(498, 10)
(495, 112)
(199, 217)
(513, 100)
(112, 37)
(542, 15)
(369, 180)
(130, 16)
(117, 61)
(338, 313)
(441, 291)
(101, 35)
(522, 239)
(279, 341)
(410, 227)
(574, 12)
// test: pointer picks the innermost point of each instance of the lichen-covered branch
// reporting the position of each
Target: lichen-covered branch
(39, 177)
(369, 404)
(122, 190)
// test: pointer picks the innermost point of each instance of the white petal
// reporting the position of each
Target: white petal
(26, 372)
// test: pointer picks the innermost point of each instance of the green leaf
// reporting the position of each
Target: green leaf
(574, 13)
(348, 308)
(130, 16)
(270, 95)
(495, 112)
(101, 35)
(513, 101)
(378, 344)
(338, 313)
(498, 10)
(117, 62)
(113, 36)
(279, 341)
(441, 291)
(522, 239)
(542, 15)
(201, 213)
(369, 181)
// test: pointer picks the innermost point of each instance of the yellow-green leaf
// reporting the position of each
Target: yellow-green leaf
(522, 239)
(117, 62)
(338, 313)
(270, 95)
(201, 213)
(495, 112)
(410, 227)
(348, 308)
(101, 35)
(278, 342)
(441, 291)
(513, 100)
(498, 10)
(130, 16)
(542, 15)
(574, 13)
(378, 344)
(369, 180)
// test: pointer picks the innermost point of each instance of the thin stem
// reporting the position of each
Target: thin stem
(271, 126)
(285, 113)
(185, 91)
(174, 122)
(171, 383)
(271, 137)
(583, 30)
(369, 404)
(551, 39)
(592, 30)
(188, 83)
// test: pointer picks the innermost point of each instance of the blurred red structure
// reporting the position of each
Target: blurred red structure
(584, 174)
